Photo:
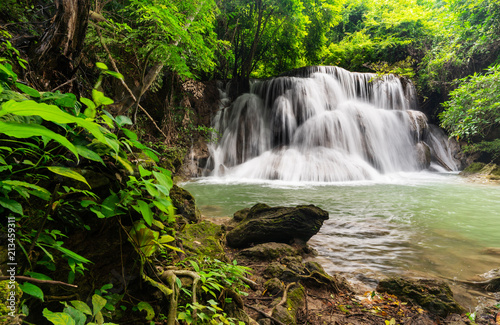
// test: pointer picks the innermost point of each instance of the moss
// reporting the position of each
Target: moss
(203, 239)
(185, 204)
(5, 291)
(474, 168)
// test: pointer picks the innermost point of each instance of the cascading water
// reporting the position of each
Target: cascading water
(324, 124)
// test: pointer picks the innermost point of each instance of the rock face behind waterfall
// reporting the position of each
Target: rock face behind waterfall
(263, 223)
(326, 124)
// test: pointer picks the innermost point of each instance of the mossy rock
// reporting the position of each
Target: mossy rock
(265, 224)
(274, 286)
(473, 168)
(432, 295)
(203, 239)
(185, 204)
(274, 270)
(295, 302)
(7, 304)
(268, 251)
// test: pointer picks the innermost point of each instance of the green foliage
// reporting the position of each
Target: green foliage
(178, 35)
(43, 135)
(215, 278)
(374, 31)
(78, 312)
(473, 110)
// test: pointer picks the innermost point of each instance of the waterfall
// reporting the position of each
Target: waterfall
(323, 124)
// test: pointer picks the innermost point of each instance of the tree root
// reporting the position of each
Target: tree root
(263, 313)
(170, 277)
(285, 294)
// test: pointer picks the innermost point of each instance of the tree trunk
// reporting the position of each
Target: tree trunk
(57, 54)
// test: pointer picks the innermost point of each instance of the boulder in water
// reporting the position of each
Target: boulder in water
(264, 224)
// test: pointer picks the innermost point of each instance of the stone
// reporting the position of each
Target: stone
(423, 155)
(203, 239)
(274, 286)
(268, 251)
(432, 295)
(264, 224)
(287, 313)
(273, 270)
(185, 204)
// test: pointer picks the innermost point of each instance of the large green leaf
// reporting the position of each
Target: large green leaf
(144, 238)
(33, 189)
(76, 314)
(52, 113)
(58, 318)
(163, 180)
(89, 154)
(81, 306)
(72, 254)
(98, 304)
(32, 290)
(18, 130)
(12, 205)
(28, 90)
(67, 172)
(146, 212)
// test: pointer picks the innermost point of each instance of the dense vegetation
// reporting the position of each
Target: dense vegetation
(84, 86)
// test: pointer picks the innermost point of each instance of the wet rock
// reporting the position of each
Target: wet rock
(185, 204)
(423, 155)
(278, 224)
(418, 123)
(268, 251)
(433, 295)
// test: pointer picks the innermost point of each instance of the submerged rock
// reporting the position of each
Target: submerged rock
(264, 224)
(433, 295)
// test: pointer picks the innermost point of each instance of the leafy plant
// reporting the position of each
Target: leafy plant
(473, 110)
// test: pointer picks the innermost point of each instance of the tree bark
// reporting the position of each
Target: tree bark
(57, 54)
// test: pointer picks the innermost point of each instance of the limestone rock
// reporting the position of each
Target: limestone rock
(423, 155)
(278, 224)
(433, 295)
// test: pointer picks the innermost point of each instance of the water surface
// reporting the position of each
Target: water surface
(417, 223)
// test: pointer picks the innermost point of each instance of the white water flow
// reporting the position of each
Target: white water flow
(325, 124)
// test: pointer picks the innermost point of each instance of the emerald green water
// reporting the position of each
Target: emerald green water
(420, 223)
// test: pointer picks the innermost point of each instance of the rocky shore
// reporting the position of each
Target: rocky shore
(287, 285)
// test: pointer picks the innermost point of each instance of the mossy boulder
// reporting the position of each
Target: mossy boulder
(489, 171)
(432, 295)
(203, 239)
(268, 251)
(185, 204)
(287, 313)
(264, 224)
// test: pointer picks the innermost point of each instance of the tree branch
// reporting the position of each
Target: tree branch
(33, 280)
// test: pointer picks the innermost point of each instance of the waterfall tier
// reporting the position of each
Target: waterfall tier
(325, 124)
